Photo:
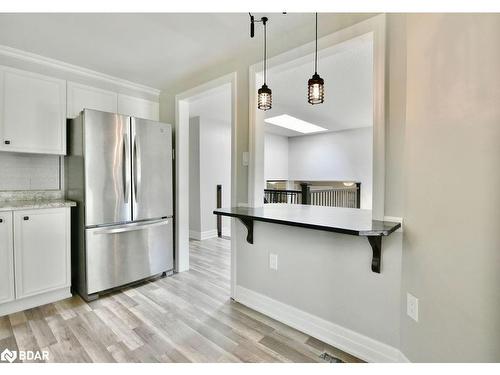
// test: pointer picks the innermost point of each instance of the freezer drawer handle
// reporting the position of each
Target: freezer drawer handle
(129, 228)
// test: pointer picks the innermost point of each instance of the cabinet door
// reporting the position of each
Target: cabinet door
(6, 258)
(137, 107)
(33, 113)
(41, 254)
(82, 96)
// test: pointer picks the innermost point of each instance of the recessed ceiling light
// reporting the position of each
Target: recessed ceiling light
(292, 123)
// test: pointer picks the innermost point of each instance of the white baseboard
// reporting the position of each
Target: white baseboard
(200, 236)
(34, 301)
(354, 343)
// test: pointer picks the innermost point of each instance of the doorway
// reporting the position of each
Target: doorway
(192, 107)
(210, 163)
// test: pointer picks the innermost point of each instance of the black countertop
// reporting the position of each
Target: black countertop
(351, 221)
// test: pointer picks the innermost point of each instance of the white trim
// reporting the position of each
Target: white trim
(182, 169)
(352, 342)
(373, 28)
(200, 236)
(61, 65)
(34, 301)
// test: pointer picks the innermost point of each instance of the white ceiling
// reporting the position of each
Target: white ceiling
(158, 49)
(348, 90)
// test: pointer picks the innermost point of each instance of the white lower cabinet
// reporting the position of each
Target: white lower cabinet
(39, 258)
(6, 258)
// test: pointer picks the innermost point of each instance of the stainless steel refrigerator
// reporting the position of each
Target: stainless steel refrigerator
(119, 170)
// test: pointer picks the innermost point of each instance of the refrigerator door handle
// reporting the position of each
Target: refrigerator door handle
(137, 168)
(125, 167)
(132, 227)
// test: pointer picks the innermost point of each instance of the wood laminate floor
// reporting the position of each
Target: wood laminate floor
(187, 317)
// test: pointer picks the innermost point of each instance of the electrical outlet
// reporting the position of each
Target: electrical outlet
(273, 261)
(412, 306)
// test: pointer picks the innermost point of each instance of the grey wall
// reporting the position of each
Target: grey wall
(29, 172)
(194, 175)
(451, 257)
(215, 169)
(327, 275)
(275, 157)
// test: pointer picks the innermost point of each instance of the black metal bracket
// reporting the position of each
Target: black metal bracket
(376, 244)
(248, 223)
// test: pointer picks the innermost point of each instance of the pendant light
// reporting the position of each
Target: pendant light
(265, 98)
(316, 85)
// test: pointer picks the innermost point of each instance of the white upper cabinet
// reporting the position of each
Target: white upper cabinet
(6, 258)
(32, 112)
(138, 107)
(82, 96)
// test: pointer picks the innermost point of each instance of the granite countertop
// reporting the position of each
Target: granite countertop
(351, 221)
(14, 205)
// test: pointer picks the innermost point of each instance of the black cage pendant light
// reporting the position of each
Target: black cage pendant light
(316, 85)
(265, 98)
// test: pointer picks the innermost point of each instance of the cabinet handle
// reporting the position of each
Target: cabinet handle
(1, 221)
(7, 142)
(26, 218)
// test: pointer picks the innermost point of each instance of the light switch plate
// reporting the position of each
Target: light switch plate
(412, 306)
(273, 261)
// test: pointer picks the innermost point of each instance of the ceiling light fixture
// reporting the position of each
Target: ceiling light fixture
(295, 124)
(265, 96)
(316, 85)
(265, 100)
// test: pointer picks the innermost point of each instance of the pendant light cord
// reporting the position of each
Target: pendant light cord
(265, 51)
(316, 48)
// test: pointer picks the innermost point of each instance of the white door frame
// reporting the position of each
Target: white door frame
(182, 169)
(372, 28)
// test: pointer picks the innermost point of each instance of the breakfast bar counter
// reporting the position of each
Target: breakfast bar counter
(349, 221)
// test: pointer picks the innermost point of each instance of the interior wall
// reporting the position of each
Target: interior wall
(451, 257)
(194, 177)
(209, 160)
(342, 156)
(275, 157)
(215, 169)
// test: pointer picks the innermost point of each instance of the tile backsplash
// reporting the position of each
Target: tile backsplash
(29, 172)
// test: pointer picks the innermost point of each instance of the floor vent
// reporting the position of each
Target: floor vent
(330, 358)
